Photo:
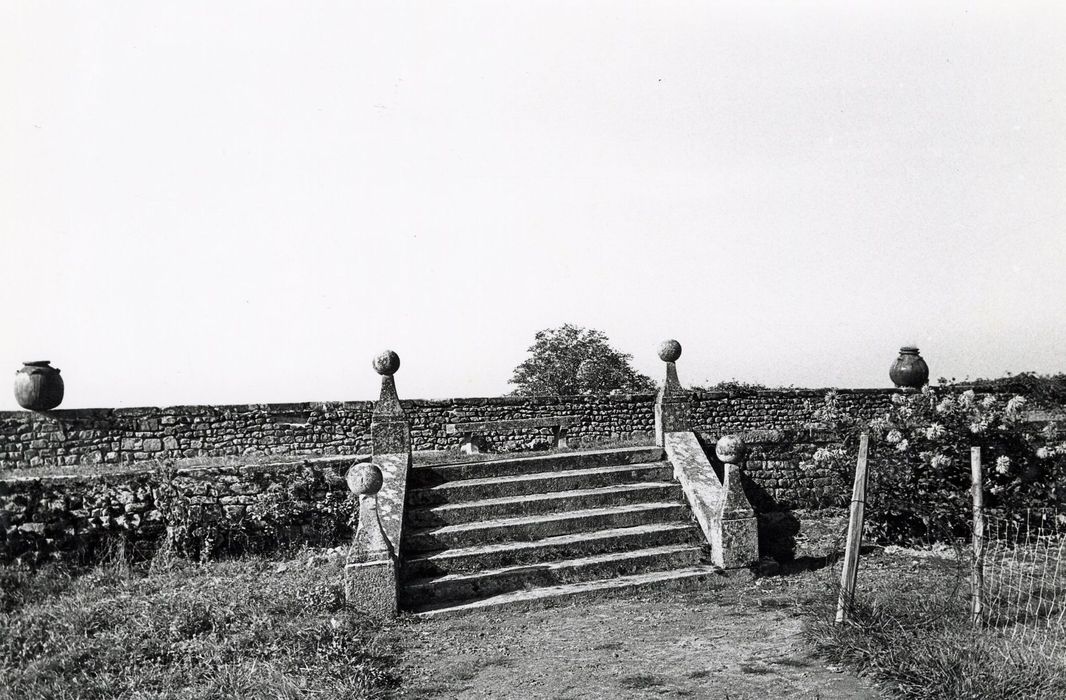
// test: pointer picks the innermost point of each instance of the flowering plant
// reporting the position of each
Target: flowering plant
(920, 483)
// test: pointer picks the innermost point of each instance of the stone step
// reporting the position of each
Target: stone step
(690, 577)
(571, 546)
(481, 584)
(433, 474)
(513, 506)
(464, 490)
(534, 527)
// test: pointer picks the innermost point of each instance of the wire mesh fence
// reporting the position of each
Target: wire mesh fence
(1024, 579)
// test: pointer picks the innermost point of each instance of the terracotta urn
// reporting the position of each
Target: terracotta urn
(38, 386)
(909, 370)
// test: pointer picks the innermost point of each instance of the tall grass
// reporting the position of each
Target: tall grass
(909, 628)
(232, 629)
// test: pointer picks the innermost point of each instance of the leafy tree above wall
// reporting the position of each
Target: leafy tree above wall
(573, 360)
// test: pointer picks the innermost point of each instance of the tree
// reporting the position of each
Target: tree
(572, 360)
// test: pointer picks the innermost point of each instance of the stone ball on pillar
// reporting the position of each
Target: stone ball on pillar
(364, 479)
(669, 350)
(730, 449)
(386, 363)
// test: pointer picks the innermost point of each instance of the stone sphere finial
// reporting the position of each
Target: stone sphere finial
(669, 350)
(386, 363)
(364, 479)
(730, 449)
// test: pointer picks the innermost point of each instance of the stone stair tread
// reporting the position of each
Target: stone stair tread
(548, 592)
(556, 564)
(519, 521)
(575, 538)
(549, 496)
(575, 454)
(541, 476)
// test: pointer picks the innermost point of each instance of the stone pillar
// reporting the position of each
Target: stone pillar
(671, 405)
(390, 432)
(370, 571)
(390, 440)
(740, 533)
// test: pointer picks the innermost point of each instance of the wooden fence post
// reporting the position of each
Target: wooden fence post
(855, 522)
(977, 563)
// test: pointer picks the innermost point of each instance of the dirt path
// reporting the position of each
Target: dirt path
(665, 645)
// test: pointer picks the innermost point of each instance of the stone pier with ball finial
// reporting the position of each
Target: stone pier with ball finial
(381, 489)
(370, 570)
(719, 504)
(390, 441)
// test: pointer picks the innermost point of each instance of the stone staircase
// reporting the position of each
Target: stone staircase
(483, 534)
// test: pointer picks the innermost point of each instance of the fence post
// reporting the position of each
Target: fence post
(977, 573)
(855, 522)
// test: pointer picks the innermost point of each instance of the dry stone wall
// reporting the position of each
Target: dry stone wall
(86, 437)
(148, 487)
(128, 435)
(623, 418)
(201, 511)
(782, 435)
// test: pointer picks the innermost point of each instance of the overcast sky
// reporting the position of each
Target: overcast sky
(230, 202)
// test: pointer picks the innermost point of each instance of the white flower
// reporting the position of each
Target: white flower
(996, 489)
(988, 401)
(1042, 453)
(893, 437)
(899, 399)
(1015, 404)
(935, 431)
(902, 445)
(966, 398)
(1002, 464)
(941, 461)
(945, 405)
(878, 424)
(977, 427)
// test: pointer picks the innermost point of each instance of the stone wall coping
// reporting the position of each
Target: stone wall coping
(191, 410)
(272, 408)
(115, 476)
(323, 406)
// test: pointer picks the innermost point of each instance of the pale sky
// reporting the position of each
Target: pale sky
(231, 202)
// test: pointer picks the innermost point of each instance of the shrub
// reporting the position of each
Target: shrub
(920, 481)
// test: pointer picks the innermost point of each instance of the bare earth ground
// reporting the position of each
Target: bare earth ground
(740, 642)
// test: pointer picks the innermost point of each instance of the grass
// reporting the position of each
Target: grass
(231, 629)
(909, 628)
(256, 627)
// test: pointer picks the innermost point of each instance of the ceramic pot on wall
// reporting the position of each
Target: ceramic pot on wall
(909, 369)
(38, 386)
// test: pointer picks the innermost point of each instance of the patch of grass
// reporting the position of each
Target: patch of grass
(183, 630)
(910, 629)
(755, 669)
